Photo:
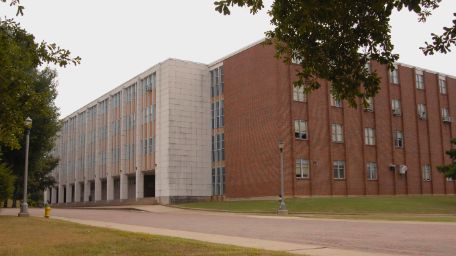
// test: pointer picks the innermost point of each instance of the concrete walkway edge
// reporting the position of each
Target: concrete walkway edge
(303, 249)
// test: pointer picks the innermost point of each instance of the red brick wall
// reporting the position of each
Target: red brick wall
(259, 111)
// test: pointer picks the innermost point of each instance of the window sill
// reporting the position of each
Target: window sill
(339, 179)
(298, 178)
(301, 139)
(338, 142)
(372, 180)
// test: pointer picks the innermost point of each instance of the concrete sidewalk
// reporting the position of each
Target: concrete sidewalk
(293, 248)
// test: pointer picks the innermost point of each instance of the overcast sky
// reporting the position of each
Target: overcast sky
(119, 39)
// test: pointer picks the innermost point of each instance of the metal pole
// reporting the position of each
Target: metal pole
(282, 207)
(24, 206)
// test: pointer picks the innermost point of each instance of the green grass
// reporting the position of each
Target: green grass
(430, 208)
(37, 236)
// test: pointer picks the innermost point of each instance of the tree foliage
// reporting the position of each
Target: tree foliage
(7, 180)
(20, 55)
(336, 39)
(46, 124)
(450, 170)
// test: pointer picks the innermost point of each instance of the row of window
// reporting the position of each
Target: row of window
(218, 114)
(337, 134)
(419, 80)
(217, 83)
(218, 181)
(130, 93)
(149, 82)
(218, 147)
(303, 170)
(421, 111)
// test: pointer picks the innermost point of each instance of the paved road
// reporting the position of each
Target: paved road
(438, 239)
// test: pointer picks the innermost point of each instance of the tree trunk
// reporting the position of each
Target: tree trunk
(14, 196)
(5, 203)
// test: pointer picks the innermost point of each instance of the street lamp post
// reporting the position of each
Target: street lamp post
(24, 206)
(282, 207)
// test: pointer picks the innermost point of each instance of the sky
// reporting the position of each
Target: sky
(119, 39)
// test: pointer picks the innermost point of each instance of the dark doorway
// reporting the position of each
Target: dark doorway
(56, 195)
(81, 196)
(64, 194)
(72, 193)
(116, 188)
(104, 191)
(149, 185)
(92, 192)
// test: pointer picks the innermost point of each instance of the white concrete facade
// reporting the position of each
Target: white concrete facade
(110, 142)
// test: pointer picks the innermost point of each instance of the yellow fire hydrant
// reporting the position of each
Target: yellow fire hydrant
(47, 211)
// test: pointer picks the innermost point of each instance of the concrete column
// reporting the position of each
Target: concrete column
(61, 194)
(97, 188)
(77, 192)
(53, 195)
(123, 187)
(109, 188)
(139, 184)
(86, 190)
(68, 193)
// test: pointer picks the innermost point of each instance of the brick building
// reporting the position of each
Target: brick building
(152, 137)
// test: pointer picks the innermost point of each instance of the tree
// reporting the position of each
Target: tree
(335, 39)
(450, 170)
(20, 55)
(7, 180)
(41, 108)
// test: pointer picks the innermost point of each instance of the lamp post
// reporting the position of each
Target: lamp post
(282, 207)
(24, 206)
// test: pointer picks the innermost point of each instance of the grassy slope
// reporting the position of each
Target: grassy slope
(344, 205)
(36, 236)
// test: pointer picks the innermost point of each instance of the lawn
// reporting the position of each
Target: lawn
(435, 208)
(39, 236)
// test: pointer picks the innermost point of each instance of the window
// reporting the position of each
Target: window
(300, 129)
(396, 107)
(442, 85)
(151, 145)
(426, 172)
(369, 136)
(298, 94)
(394, 76)
(398, 139)
(335, 102)
(339, 169)
(369, 104)
(445, 112)
(419, 81)
(302, 169)
(421, 109)
(372, 171)
(337, 133)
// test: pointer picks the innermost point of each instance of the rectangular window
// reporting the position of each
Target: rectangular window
(419, 81)
(426, 172)
(396, 107)
(222, 146)
(298, 94)
(394, 76)
(221, 112)
(398, 139)
(442, 85)
(339, 169)
(445, 113)
(421, 111)
(151, 145)
(335, 102)
(300, 129)
(302, 169)
(369, 136)
(337, 133)
(372, 171)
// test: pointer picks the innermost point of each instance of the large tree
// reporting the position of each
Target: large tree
(335, 39)
(450, 170)
(41, 108)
